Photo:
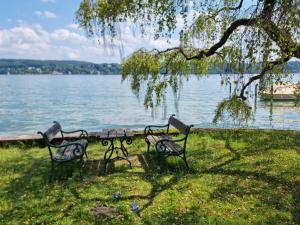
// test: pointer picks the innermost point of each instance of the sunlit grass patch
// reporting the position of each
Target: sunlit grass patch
(236, 177)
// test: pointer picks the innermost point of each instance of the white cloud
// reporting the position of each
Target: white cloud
(51, 1)
(35, 42)
(66, 35)
(49, 14)
(73, 26)
(45, 14)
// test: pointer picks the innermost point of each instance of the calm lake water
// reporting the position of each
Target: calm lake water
(30, 103)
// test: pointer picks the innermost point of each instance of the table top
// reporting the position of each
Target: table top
(113, 133)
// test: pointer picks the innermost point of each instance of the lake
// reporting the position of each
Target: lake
(29, 103)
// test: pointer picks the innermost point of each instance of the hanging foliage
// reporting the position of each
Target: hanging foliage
(234, 34)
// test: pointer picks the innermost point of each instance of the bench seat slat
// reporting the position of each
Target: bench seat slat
(171, 146)
(153, 139)
(67, 153)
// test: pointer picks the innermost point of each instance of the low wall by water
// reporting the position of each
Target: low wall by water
(28, 141)
(37, 139)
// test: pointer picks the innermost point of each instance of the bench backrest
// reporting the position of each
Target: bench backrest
(52, 131)
(179, 125)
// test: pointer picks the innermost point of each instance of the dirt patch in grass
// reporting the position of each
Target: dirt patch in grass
(103, 211)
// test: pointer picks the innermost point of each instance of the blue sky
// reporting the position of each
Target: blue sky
(45, 29)
(26, 10)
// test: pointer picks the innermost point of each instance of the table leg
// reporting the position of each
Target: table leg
(124, 150)
(109, 151)
(112, 148)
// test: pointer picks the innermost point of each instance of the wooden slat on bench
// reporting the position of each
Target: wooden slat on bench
(171, 146)
(178, 125)
(52, 131)
(153, 139)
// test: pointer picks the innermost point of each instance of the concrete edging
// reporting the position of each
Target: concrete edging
(37, 140)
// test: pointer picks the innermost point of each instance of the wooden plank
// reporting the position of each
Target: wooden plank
(178, 124)
(171, 146)
(94, 134)
(153, 139)
(115, 133)
(129, 133)
(53, 131)
(104, 134)
(120, 132)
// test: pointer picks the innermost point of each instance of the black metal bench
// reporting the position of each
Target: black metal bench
(66, 151)
(163, 143)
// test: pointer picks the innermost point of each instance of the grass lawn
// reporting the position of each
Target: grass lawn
(236, 177)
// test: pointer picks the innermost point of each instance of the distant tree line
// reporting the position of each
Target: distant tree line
(26, 66)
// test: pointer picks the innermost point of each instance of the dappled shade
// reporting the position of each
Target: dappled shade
(235, 177)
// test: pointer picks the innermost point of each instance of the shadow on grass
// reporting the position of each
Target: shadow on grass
(149, 163)
(271, 188)
(34, 176)
(153, 172)
(259, 140)
(267, 186)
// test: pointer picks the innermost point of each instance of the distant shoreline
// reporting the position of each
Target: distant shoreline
(27, 74)
(55, 67)
(65, 67)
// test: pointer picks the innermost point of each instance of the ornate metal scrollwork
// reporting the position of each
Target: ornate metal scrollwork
(78, 151)
(128, 140)
(161, 147)
(105, 142)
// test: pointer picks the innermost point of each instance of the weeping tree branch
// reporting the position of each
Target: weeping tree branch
(213, 49)
(269, 66)
(266, 22)
(239, 6)
(282, 39)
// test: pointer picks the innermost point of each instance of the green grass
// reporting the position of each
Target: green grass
(237, 177)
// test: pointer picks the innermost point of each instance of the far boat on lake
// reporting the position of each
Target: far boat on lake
(287, 91)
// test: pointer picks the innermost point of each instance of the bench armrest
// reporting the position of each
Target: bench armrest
(148, 129)
(83, 133)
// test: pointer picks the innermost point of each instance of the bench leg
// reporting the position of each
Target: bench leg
(148, 149)
(148, 145)
(184, 159)
(52, 172)
(81, 164)
(85, 151)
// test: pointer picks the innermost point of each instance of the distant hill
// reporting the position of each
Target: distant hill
(290, 67)
(28, 66)
(293, 66)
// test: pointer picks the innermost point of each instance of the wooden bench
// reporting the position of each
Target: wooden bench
(163, 143)
(66, 151)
